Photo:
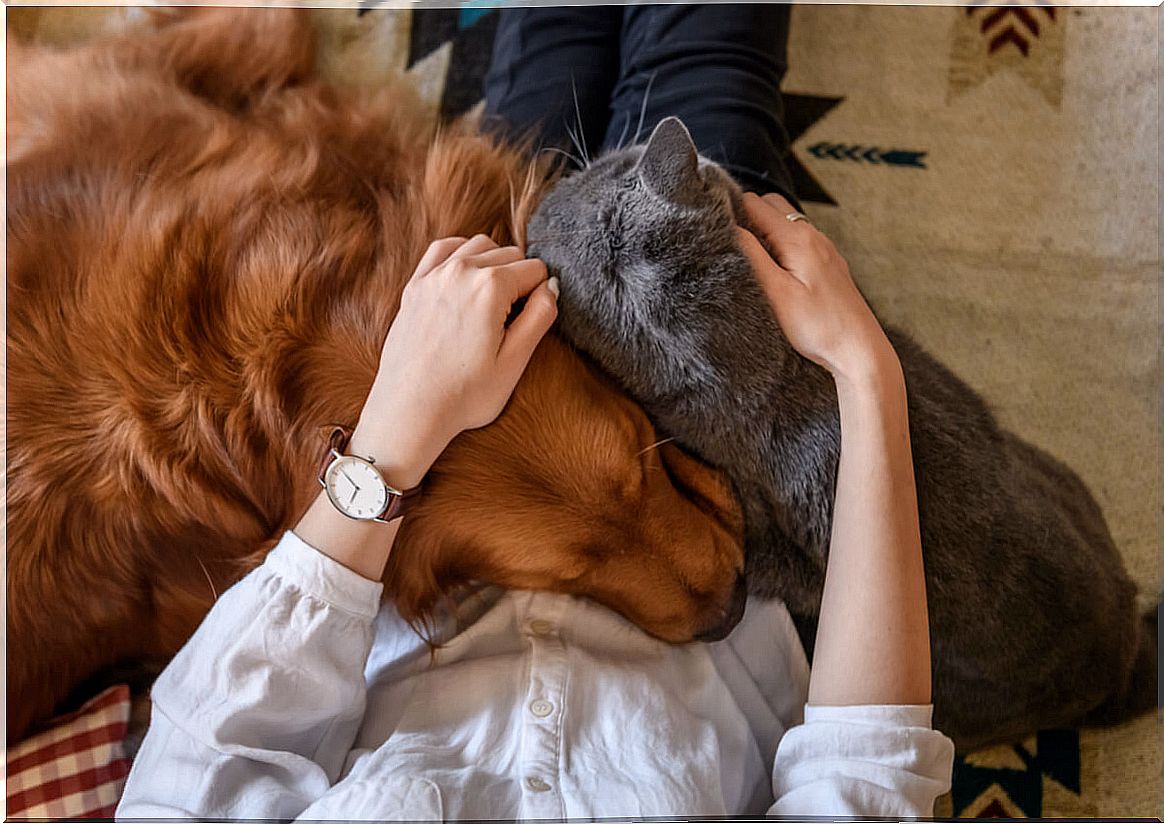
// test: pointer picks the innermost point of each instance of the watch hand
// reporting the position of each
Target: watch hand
(355, 491)
(349, 477)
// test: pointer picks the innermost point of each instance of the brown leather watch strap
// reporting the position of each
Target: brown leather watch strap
(399, 500)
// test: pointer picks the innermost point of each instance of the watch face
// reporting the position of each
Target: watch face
(356, 488)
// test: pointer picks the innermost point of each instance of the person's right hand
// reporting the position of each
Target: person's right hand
(450, 362)
(810, 290)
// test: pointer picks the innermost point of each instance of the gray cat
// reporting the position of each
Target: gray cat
(1033, 618)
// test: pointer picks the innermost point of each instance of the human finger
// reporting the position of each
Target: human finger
(496, 257)
(783, 206)
(772, 276)
(778, 202)
(770, 216)
(437, 253)
(474, 246)
(528, 328)
(521, 277)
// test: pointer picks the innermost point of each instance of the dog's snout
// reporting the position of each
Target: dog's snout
(731, 614)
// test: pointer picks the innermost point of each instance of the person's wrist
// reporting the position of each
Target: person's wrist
(874, 369)
(402, 440)
(401, 457)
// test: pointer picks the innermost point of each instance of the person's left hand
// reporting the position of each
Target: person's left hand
(808, 285)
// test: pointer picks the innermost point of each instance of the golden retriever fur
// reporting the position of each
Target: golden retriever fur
(205, 249)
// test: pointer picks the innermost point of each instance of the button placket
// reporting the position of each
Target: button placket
(542, 723)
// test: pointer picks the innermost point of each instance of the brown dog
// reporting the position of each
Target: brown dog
(205, 250)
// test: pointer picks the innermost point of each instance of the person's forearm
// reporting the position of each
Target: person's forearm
(872, 643)
(361, 546)
(404, 446)
(256, 715)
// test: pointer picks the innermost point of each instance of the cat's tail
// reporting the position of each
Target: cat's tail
(1141, 693)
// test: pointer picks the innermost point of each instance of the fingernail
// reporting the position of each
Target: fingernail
(554, 286)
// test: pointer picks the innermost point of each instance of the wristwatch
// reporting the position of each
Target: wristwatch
(356, 488)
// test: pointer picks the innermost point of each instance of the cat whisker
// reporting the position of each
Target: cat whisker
(643, 111)
(542, 238)
(571, 233)
(735, 167)
(655, 445)
(578, 122)
(565, 233)
(578, 146)
(625, 129)
(209, 580)
(573, 158)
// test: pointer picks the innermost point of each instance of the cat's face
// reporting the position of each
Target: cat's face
(643, 242)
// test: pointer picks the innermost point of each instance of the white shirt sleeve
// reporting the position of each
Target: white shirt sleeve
(257, 713)
(862, 761)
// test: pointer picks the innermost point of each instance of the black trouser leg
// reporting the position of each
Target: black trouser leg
(717, 67)
(542, 59)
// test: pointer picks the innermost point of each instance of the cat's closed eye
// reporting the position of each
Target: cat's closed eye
(614, 233)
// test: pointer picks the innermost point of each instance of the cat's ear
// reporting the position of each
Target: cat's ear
(670, 165)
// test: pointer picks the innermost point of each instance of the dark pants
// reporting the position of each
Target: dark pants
(609, 74)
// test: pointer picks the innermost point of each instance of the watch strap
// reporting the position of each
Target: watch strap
(399, 500)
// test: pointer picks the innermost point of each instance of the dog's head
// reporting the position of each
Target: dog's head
(571, 490)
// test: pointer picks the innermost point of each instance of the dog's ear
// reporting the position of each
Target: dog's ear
(230, 56)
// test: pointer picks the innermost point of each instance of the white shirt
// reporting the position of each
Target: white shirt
(303, 696)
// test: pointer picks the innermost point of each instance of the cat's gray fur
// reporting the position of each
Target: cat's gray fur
(1033, 617)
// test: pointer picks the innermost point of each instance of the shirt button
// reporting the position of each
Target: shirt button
(541, 708)
(540, 626)
(537, 785)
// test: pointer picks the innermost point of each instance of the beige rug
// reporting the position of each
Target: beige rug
(1025, 255)
(995, 175)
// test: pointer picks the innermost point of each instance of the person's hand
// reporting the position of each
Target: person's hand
(449, 362)
(811, 292)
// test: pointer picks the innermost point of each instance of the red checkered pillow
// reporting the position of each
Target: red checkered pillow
(75, 769)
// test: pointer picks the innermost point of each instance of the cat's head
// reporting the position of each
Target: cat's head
(643, 241)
